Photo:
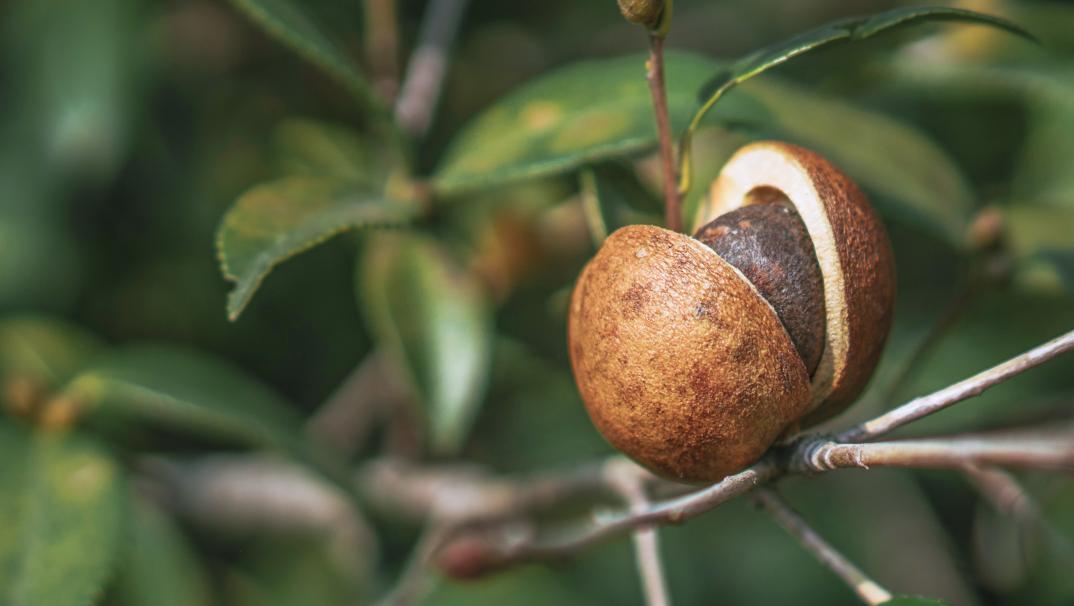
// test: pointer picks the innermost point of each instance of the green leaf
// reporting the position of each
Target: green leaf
(891, 159)
(294, 573)
(905, 600)
(1039, 237)
(578, 115)
(854, 28)
(612, 197)
(307, 147)
(168, 386)
(62, 503)
(435, 319)
(74, 81)
(1043, 171)
(275, 221)
(289, 23)
(160, 567)
(1032, 229)
(158, 386)
(43, 350)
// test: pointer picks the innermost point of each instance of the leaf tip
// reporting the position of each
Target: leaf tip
(237, 300)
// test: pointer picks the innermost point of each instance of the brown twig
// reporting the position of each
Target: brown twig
(674, 511)
(867, 589)
(382, 46)
(470, 499)
(247, 495)
(975, 385)
(1037, 448)
(1008, 497)
(624, 476)
(420, 92)
(655, 76)
(417, 580)
(368, 395)
(1002, 491)
(462, 493)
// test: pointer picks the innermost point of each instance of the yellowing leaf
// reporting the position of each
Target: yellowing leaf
(582, 113)
(275, 221)
(62, 502)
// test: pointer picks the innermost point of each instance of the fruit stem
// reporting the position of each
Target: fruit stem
(655, 76)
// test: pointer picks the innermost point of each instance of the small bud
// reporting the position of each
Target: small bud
(642, 12)
(986, 229)
(59, 413)
(21, 395)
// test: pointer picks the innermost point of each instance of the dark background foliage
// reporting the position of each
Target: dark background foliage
(129, 127)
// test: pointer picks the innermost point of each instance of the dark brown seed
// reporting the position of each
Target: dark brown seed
(770, 245)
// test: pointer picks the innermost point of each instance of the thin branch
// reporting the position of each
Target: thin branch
(416, 580)
(1007, 496)
(655, 76)
(368, 394)
(249, 495)
(867, 589)
(420, 92)
(947, 320)
(1002, 491)
(1043, 448)
(382, 46)
(674, 511)
(470, 499)
(625, 477)
(975, 385)
(463, 493)
(1037, 448)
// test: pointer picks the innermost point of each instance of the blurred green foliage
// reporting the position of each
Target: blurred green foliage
(137, 136)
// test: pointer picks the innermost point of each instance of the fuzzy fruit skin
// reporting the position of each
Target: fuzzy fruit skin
(680, 361)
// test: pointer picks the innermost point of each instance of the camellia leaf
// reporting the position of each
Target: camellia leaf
(294, 572)
(275, 221)
(74, 82)
(307, 147)
(435, 318)
(159, 386)
(890, 159)
(612, 197)
(583, 113)
(288, 22)
(1041, 240)
(43, 351)
(854, 28)
(168, 386)
(62, 502)
(905, 600)
(1042, 174)
(160, 567)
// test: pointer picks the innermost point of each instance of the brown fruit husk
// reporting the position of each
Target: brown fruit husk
(681, 363)
(851, 246)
